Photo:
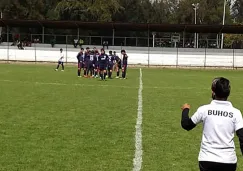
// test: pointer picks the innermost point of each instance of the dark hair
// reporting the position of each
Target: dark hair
(110, 52)
(123, 51)
(221, 87)
(82, 48)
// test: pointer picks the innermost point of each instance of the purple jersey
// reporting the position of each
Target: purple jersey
(103, 58)
(111, 59)
(124, 59)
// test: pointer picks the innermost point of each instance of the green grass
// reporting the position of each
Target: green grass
(56, 121)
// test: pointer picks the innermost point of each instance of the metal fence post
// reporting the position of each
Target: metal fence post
(233, 58)
(177, 57)
(205, 58)
(8, 44)
(148, 50)
(35, 53)
(66, 48)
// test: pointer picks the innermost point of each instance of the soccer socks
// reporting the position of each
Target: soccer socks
(79, 71)
(62, 67)
(57, 66)
(110, 74)
(85, 72)
(101, 75)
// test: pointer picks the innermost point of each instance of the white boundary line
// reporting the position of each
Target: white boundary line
(104, 85)
(138, 158)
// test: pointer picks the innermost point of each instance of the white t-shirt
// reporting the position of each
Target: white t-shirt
(61, 59)
(220, 121)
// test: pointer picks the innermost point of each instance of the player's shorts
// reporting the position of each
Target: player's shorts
(80, 65)
(119, 66)
(102, 67)
(124, 66)
(90, 65)
(60, 62)
(96, 66)
(110, 67)
(86, 65)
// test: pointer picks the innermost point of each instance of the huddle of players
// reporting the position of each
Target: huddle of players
(95, 64)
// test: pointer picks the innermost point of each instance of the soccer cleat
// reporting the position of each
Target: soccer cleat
(62, 70)
(56, 69)
(79, 76)
(117, 77)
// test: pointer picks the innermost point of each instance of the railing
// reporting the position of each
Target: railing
(148, 56)
(113, 41)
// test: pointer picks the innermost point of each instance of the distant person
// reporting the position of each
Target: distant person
(105, 44)
(75, 43)
(220, 121)
(118, 64)
(102, 60)
(111, 60)
(124, 63)
(81, 43)
(61, 60)
(53, 42)
(80, 58)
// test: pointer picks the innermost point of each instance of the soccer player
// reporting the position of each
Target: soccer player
(90, 62)
(96, 63)
(124, 64)
(61, 60)
(220, 121)
(80, 58)
(86, 58)
(118, 64)
(110, 64)
(103, 58)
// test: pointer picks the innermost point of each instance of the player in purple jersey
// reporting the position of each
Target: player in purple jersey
(118, 64)
(91, 63)
(103, 58)
(110, 64)
(96, 67)
(124, 63)
(80, 58)
(86, 57)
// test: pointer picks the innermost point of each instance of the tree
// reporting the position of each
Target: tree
(87, 10)
(237, 10)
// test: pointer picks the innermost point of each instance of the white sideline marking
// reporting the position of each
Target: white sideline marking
(138, 158)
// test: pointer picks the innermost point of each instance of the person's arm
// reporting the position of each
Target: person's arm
(186, 122)
(239, 128)
(239, 133)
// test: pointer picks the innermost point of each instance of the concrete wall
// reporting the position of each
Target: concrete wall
(137, 55)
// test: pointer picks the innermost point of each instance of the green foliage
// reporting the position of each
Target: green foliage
(137, 11)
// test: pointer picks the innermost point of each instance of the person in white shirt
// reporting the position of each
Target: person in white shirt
(61, 60)
(220, 121)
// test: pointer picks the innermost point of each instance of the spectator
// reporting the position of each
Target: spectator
(53, 42)
(105, 44)
(75, 43)
(81, 42)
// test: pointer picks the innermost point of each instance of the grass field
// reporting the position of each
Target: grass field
(55, 121)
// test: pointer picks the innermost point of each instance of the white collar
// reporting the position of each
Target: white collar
(219, 102)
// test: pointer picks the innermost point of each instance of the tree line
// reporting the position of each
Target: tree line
(134, 11)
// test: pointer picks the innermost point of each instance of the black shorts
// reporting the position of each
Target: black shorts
(60, 63)
(124, 67)
(102, 67)
(213, 166)
(80, 65)
(119, 66)
(110, 67)
(90, 66)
